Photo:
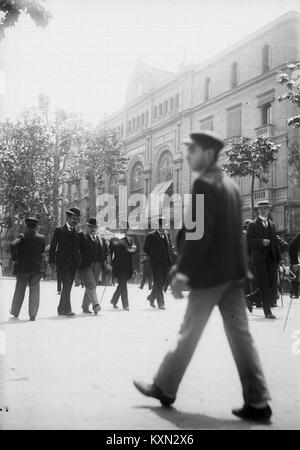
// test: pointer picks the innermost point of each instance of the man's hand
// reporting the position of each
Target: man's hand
(266, 242)
(178, 283)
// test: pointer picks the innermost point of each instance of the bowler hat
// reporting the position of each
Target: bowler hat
(74, 212)
(206, 138)
(263, 203)
(92, 221)
(31, 221)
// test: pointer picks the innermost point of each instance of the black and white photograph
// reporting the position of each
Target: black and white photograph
(149, 218)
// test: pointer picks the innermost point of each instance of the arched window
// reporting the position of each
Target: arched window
(177, 101)
(207, 89)
(142, 120)
(160, 109)
(129, 126)
(138, 123)
(171, 102)
(165, 170)
(146, 119)
(155, 112)
(137, 179)
(266, 58)
(234, 75)
(133, 125)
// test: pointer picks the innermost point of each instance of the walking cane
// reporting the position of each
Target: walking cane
(288, 312)
(102, 295)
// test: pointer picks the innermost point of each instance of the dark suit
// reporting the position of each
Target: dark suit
(28, 271)
(215, 268)
(159, 249)
(121, 267)
(293, 254)
(65, 253)
(93, 254)
(264, 260)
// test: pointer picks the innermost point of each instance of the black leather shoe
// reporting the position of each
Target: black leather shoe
(248, 412)
(162, 307)
(32, 318)
(270, 316)
(249, 305)
(14, 315)
(150, 390)
(69, 314)
(87, 311)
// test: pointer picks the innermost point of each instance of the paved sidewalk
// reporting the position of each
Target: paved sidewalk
(77, 373)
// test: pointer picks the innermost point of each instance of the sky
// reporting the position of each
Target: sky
(83, 60)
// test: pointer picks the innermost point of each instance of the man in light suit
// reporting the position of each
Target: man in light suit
(214, 267)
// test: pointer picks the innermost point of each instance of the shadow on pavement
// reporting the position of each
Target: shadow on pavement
(194, 421)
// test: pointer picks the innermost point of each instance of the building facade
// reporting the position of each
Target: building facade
(235, 94)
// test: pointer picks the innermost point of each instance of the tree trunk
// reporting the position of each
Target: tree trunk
(252, 195)
(92, 194)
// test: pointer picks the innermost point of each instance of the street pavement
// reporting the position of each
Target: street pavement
(76, 373)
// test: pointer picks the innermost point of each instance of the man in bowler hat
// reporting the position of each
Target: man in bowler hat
(122, 249)
(93, 255)
(265, 256)
(65, 255)
(159, 249)
(27, 251)
(214, 267)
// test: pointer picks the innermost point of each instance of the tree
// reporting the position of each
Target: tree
(33, 156)
(10, 11)
(293, 91)
(247, 157)
(102, 154)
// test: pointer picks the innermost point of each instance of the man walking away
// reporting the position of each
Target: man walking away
(29, 249)
(147, 274)
(93, 253)
(214, 268)
(65, 255)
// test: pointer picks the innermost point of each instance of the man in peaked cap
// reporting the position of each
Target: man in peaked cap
(213, 265)
(27, 251)
(93, 254)
(265, 256)
(64, 255)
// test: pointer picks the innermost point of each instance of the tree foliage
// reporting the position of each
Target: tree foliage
(293, 91)
(247, 157)
(39, 155)
(10, 11)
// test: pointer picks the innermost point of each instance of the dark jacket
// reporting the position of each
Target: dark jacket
(219, 256)
(91, 251)
(159, 249)
(255, 235)
(294, 249)
(121, 257)
(29, 255)
(64, 247)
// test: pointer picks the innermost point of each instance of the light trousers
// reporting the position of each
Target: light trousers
(229, 297)
(90, 277)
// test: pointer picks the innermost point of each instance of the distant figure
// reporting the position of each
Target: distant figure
(121, 250)
(147, 274)
(65, 256)
(265, 256)
(159, 249)
(1, 271)
(93, 254)
(295, 266)
(214, 267)
(27, 252)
